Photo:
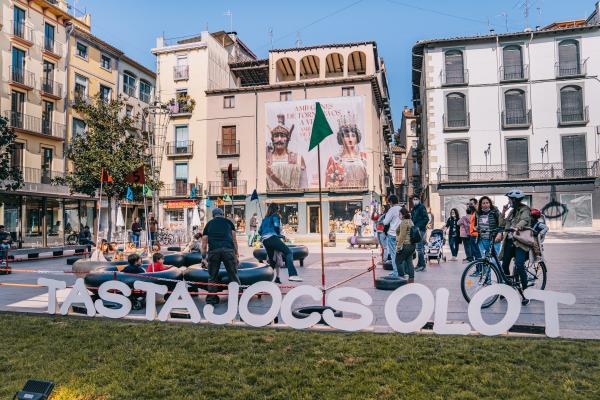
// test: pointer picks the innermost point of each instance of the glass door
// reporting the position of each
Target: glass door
(47, 166)
(313, 219)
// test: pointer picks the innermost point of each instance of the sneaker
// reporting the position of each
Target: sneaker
(525, 302)
(295, 278)
(411, 280)
(405, 276)
(277, 280)
(420, 269)
(393, 275)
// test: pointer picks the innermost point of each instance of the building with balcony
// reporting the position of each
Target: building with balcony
(500, 111)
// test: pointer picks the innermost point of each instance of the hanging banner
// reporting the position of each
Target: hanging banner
(180, 204)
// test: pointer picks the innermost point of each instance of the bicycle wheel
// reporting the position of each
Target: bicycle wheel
(72, 239)
(536, 275)
(476, 276)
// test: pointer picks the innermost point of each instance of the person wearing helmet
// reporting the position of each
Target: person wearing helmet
(517, 219)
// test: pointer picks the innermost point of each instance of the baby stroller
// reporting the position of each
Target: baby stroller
(434, 249)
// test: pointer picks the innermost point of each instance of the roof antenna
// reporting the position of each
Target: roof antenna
(526, 11)
(229, 14)
(298, 39)
(271, 37)
(505, 15)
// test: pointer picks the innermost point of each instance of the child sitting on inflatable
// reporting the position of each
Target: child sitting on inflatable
(134, 266)
(157, 263)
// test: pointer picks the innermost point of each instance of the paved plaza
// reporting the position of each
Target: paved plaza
(572, 261)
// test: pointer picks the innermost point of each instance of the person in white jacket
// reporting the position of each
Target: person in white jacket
(392, 218)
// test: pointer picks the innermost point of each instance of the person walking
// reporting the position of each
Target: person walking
(487, 218)
(136, 230)
(219, 245)
(518, 219)
(392, 221)
(253, 227)
(357, 221)
(152, 229)
(465, 234)
(382, 232)
(270, 232)
(475, 253)
(453, 232)
(420, 219)
(405, 249)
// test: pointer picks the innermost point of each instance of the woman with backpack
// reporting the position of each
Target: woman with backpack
(487, 219)
(405, 247)
(453, 232)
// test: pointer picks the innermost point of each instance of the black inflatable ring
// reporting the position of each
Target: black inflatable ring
(174, 248)
(99, 276)
(363, 241)
(176, 260)
(389, 283)
(71, 260)
(192, 258)
(299, 253)
(304, 312)
(248, 272)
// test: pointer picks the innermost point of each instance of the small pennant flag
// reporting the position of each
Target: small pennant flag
(219, 202)
(129, 195)
(320, 129)
(254, 195)
(207, 203)
(105, 176)
(147, 191)
(136, 176)
(227, 197)
(193, 192)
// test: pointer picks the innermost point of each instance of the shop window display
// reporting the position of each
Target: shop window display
(11, 214)
(237, 215)
(341, 214)
(54, 222)
(289, 217)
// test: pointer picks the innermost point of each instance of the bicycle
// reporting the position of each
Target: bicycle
(164, 237)
(487, 271)
(72, 238)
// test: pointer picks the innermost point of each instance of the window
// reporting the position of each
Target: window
(571, 104)
(348, 91)
(456, 107)
(105, 93)
(413, 126)
(48, 108)
(458, 159)
(513, 63)
(229, 182)
(18, 73)
(515, 104)
(82, 50)
(81, 87)
(181, 179)
(129, 111)
(228, 141)
(19, 22)
(145, 90)
(105, 62)
(46, 165)
(181, 139)
(454, 67)
(229, 102)
(48, 78)
(49, 37)
(285, 96)
(574, 155)
(79, 127)
(517, 158)
(129, 84)
(568, 58)
(17, 107)
(181, 70)
(16, 155)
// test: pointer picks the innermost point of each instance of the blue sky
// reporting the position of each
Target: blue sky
(133, 25)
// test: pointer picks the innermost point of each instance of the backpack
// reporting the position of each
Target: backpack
(415, 235)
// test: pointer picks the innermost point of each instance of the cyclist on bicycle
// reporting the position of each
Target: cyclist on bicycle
(518, 219)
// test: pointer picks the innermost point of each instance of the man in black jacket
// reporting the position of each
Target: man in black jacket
(420, 219)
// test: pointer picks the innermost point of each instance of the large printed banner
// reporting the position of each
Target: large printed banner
(343, 158)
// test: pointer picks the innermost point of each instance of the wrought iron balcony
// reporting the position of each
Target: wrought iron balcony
(570, 69)
(512, 119)
(457, 123)
(29, 123)
(228, 149)
(181, 72)
(514, 73)
(36, 175)
(79, 97)
(183, 148)
(53, 47)
(455, 77)
(21, 31)
(51, 88)
(233, 188)
(181, 108)
(519, 172)
(573, 116)
(180, 189)
(22, 77)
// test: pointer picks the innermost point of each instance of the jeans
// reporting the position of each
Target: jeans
(421, 249)
(251, 237)
(151, 237)
(135, 238)
(466, 241)
(474, 247)
(520, 255)
(391, 248)
(454, 243)
(215, 258)
(273, 244)
(383, 242)
(404, 261)
(484, 245)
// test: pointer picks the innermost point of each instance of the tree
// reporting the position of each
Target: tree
(112, 142)
(10, 176)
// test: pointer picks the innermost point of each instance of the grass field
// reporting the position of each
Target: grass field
(101, 359)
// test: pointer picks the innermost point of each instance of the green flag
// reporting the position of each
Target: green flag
(320, 129)
(147, 191)
(226, 197)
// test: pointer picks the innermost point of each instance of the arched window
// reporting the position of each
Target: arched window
(512, 61)
(309, 67)
(357, 63)
(286, 69)
(515, 107)
(335, 65)
(568, 58)
(454, 67)
(571, 104)
(456, 107)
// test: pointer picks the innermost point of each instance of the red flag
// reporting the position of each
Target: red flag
(136, 176)
(230, 172)
(105, 176)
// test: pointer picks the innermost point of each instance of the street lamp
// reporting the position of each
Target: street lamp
(543, 150)
(488, 153)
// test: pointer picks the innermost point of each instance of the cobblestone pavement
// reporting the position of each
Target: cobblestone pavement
(572, 260)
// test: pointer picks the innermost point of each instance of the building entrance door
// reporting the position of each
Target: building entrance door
(313, 219)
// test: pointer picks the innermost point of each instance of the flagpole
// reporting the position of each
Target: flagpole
(321, 223)
(125, 233)
(99, 210)
(148, 244)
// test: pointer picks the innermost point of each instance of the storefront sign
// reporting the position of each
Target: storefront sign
(180, 204)
(118, 292)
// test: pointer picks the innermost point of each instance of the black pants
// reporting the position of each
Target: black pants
(215, 258)
(520, 255)
(404, 260)
(454, 243)
(466, 241)
(273, 244)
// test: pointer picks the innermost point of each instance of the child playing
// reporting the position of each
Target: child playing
(539, 230)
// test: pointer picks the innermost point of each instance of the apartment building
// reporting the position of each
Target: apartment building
(520, 109)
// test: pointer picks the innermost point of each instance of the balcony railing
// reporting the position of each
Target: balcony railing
(512, 172)
(180, 189)
(512, 73)
(452, 77)
(80, 97)
(180, 148)
(33, 124)
(181, 108)
(21, 30)
(218, 188)
(22, 77)
(36, 175)
(228, 149)
(516, 119)
(572, 116)
(181, 72)
(51, 88)
(129, 90)
(52, 46)
(570, 69)
(457, 123)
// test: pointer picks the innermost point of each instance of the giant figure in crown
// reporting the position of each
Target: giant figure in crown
(285, 169)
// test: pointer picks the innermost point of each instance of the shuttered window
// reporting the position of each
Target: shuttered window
(571, 104)
(574, 155)
(513, 63)
(458, 159)
(228, 137)
(516, 113)
(517, 158)
(457, 110)
(454, 65)
(568, 58)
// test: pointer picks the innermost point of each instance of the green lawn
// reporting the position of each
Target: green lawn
(102, 359)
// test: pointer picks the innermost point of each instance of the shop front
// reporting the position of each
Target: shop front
(177, 215)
